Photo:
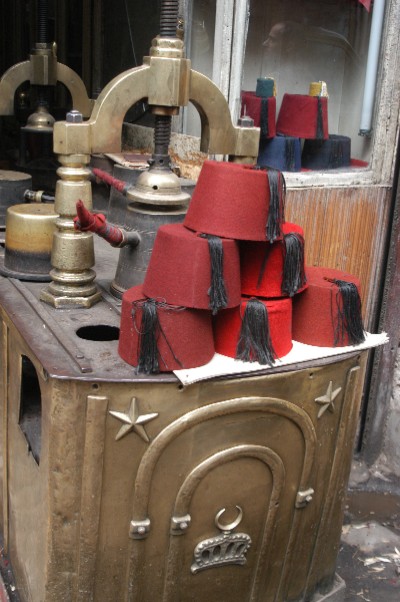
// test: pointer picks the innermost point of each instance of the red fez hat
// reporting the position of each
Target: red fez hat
(328, 312)
(259, 330)
(237, 201)
(262, 110)
(303, 116)
(274, 270)
(193, 270)
(157, 337)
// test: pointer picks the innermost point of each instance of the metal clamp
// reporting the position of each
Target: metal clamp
(180, 524)
(139, 529)
(304, 497)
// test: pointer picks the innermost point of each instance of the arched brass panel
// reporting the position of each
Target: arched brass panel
(231, 406)
(182, 507)
(143, 482)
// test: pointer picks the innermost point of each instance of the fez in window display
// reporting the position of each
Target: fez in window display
(327, 154)
(281, 152)
(303, 116)
(261, 106)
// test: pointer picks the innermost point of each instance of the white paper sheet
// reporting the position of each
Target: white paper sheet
(221, 365)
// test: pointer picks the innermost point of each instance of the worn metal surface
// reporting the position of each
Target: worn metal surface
(133, 261)
(123, 454)
(12, 187)
(28, 241)
(21, 72)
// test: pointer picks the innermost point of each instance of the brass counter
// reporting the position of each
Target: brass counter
(114, 485)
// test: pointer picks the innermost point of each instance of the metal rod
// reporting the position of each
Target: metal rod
(169, 18)
(42, 22)
(372, 67)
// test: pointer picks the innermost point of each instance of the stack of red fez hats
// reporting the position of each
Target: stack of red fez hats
(227, 279)
(301, 116)
(279, 152)
(200, 293)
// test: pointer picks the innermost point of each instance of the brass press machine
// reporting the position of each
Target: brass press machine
(167, 81)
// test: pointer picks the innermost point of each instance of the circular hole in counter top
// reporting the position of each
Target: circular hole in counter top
(98, 332)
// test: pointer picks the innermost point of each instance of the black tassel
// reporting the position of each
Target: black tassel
(336, 154)
(294, 277)
(254, 344)
(348, 318)
(148, 334)
(277, 190)
(263, 266)
(289, 154)
(217, 290)
(264, 118)
(320, 126)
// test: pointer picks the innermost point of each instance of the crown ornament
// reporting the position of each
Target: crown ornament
(221, 550)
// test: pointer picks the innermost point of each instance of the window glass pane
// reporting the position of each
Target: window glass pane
(200, 42)
(299, 42)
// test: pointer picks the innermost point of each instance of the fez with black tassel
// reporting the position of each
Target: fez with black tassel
(259, 330)
(254, 344)
(277, 192)
(237, 201)
(159, 337)
(217, 290)
(328, 312)
(194, 270)
(274, 270)
(303, 116)
(263, 112)
(349, 321)
(294, 277)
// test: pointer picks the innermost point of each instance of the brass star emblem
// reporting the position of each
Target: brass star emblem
(133, 421)
(326, 401)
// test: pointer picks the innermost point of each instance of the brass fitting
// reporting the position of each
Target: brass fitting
(72, 253)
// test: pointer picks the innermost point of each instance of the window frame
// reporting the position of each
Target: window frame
(232, 18)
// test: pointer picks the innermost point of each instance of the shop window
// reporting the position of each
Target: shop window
(295, 43)
(30, 412)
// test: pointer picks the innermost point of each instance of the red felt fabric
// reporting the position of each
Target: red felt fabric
(252, 257)
(298, 116)
(315, 309)
(85, 221)
(109, 179)
(180, 270)
(230, 200)
(227, 325)
(251, 106)
(188, 332)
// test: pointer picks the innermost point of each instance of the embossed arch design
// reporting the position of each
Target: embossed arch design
(187, 421)
(208, 412)
(187, 490)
